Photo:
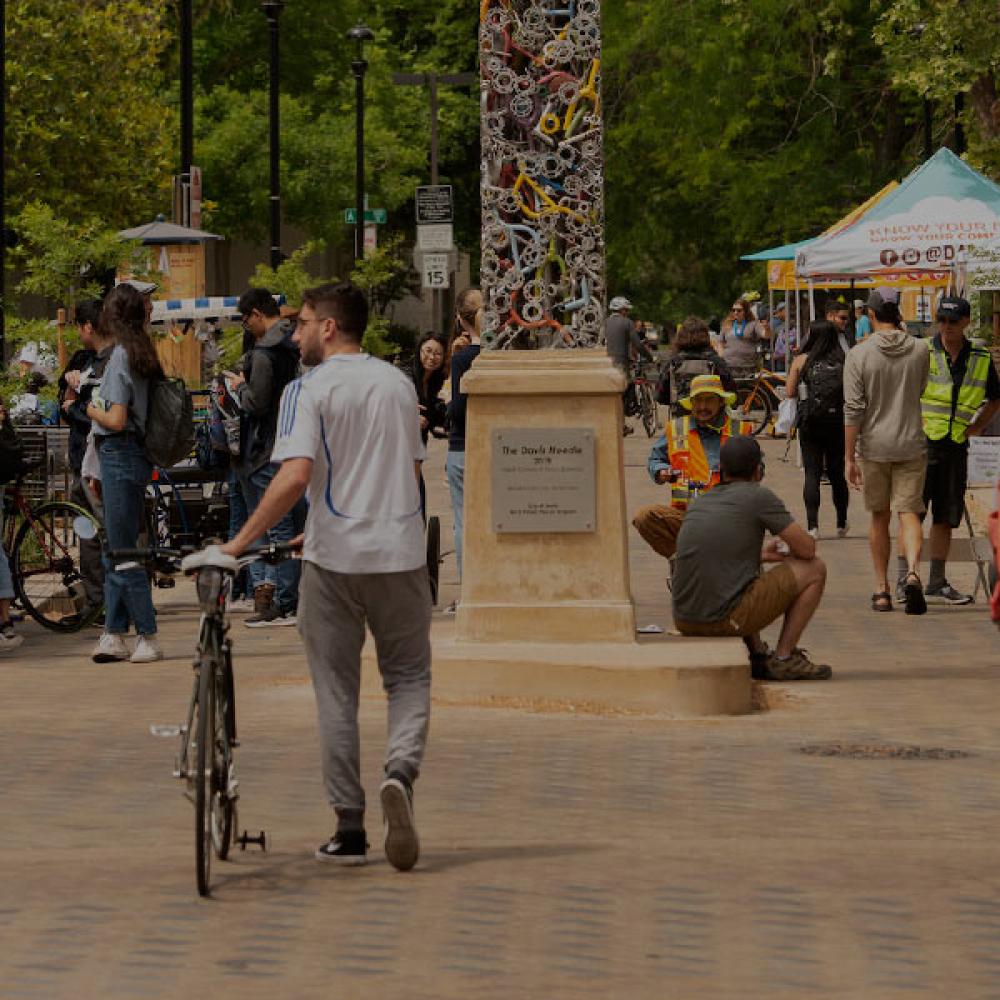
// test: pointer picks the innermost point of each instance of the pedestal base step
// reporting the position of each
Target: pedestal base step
(664, 675)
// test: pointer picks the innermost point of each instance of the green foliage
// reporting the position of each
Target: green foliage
(733, 126)
(940, 48)
(384, 274)
(64, 261)
(88, 129)
(376, 340)
(291, 278)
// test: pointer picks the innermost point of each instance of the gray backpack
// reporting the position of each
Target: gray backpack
(169, 422)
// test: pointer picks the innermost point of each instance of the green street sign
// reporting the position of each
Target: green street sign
(378, 216)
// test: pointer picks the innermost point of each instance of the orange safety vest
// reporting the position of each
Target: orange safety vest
(687, 453)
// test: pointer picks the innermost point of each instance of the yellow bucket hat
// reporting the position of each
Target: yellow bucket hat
(702, 384)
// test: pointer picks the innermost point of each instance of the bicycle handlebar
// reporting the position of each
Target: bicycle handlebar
(274, 553)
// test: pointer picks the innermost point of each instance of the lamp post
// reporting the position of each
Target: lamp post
(187, 108)
(360, 34)
(272, 10)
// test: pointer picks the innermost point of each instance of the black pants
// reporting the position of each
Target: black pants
(824, 444)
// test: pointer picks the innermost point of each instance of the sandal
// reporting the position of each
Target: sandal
(882, 601)
(914, 591)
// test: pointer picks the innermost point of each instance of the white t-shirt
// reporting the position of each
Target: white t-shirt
(357, 418)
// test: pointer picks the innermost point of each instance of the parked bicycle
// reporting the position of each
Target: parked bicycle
(758, 398)
(43, 545)
(643, 395)
(208, 739)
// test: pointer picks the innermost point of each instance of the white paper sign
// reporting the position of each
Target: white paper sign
(984, 460)
(437, 237)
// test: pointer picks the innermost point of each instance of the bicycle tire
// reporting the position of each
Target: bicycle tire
(434, 556)
(647, 405)
(754, 408)
(205, 711)
(46, 568)
(225, 741)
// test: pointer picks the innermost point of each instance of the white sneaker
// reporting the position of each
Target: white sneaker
(815, 533)
(242, 604)
(842, 532)
(110, 648)
(9, 641)
(147, 650)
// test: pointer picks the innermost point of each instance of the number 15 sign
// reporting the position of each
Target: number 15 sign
(435, 270)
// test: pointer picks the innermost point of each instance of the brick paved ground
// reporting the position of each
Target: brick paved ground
(564, 855)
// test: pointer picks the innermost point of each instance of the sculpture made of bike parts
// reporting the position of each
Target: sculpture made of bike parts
(542, 174)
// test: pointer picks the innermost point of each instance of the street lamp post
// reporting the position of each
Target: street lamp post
(187, 108)
(272, 10)
(360, 34)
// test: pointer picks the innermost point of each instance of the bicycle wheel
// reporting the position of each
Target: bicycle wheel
(647, 406)
(224, 793)
(46, 567)
(754, 408)
(434, 555)
(205, 736)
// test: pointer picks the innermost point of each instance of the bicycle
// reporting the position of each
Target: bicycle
(643, 386)
(43, 544)
(208, 739)
(758, 398)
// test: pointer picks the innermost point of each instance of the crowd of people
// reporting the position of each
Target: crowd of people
(877, 409)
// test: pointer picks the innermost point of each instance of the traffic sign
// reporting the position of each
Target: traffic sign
(434, 204)
(435, 271)
(373, 216)
(438, 237)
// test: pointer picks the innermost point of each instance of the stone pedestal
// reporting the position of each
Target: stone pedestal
(552, 587)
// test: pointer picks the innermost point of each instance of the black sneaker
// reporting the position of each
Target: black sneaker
(347, 847)
(402, 847)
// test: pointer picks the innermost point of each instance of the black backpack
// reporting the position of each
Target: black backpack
(678, 376)
(169, 422)
(824, 381)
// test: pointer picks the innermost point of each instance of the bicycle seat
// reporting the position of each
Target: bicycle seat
(209, 556)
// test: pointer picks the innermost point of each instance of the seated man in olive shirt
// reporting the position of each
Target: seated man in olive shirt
(718, 586)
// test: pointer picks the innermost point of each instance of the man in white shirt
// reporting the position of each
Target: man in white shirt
(349, 431)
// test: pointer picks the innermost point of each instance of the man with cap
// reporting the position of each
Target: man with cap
(961, 398)
(719, 588)
(837, 313)
(622, 339)
(687, 457)
(885, 447)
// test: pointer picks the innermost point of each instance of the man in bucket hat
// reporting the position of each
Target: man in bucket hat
(687, 457)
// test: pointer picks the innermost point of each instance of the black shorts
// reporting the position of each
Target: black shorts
(944, 487)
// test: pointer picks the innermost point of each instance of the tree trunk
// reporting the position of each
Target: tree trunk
(986, 105)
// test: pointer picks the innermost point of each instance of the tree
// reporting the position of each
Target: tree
(88, 127)
(941, 48)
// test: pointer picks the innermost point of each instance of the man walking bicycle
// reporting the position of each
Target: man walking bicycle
(349, 431)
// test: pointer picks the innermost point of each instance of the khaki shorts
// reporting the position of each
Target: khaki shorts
(764, 601)
(896, 486)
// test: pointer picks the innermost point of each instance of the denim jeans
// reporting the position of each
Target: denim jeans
(455, 468)
(286, 574)
(6, 583)
(125, 473)
(237, 518)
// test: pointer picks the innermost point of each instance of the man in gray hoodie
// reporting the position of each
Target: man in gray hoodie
(884, 378)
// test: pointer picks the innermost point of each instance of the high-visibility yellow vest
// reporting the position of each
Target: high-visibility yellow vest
(687, 454)
(935, 403)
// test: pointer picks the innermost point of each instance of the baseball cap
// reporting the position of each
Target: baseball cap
(882, 297)
(953, 307)
(859, 303)
(739, 457)
(620, 302)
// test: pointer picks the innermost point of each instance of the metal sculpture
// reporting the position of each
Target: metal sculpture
(542, 173)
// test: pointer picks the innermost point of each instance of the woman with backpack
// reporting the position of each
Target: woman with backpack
(816, 379)
(693, 356)
(118, 409)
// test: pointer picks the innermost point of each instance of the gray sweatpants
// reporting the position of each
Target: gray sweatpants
(333, 610)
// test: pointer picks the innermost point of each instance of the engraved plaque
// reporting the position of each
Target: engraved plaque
(543, 480)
